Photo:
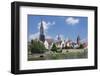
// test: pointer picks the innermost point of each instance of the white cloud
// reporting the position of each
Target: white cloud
(53, 23)
(72, 20)
(46, 25)
(34, 36)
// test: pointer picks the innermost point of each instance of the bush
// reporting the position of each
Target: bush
(81, 46)
(54, 48)
(37, 47)
(66, 47)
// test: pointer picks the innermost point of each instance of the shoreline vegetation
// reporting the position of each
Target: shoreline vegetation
(64, 54)
(37, 51)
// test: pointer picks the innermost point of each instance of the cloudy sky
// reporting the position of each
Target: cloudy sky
(65, 26)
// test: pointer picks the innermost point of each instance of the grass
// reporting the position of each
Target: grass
(58, 55)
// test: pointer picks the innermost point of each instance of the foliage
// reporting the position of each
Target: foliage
(83, 53)
(37, 46)
(70, 55)
(81, 46)
(54, 48)
(66, 47)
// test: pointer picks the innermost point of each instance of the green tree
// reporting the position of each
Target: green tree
(54, 48)
(37, 47)
(81, 46)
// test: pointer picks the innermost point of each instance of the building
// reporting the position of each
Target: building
(42, 36)
(78, 40)
(59, 42)
(48, 42)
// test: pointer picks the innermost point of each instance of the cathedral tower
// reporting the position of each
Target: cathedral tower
(78, 40)
(42, 36)
(59, 38)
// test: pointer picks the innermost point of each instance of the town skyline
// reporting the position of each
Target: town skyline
(67, 27)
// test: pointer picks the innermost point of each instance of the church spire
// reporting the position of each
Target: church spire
(42, 36)
(41, 28)
(59, 38)
(78, 39)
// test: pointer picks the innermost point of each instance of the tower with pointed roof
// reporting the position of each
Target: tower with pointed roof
(78, 39)
(59, 38)
(42, 36)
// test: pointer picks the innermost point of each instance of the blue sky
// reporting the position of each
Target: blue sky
(68, 27)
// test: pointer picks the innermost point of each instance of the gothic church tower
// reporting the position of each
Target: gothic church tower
(42, 36)
(78, 40)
